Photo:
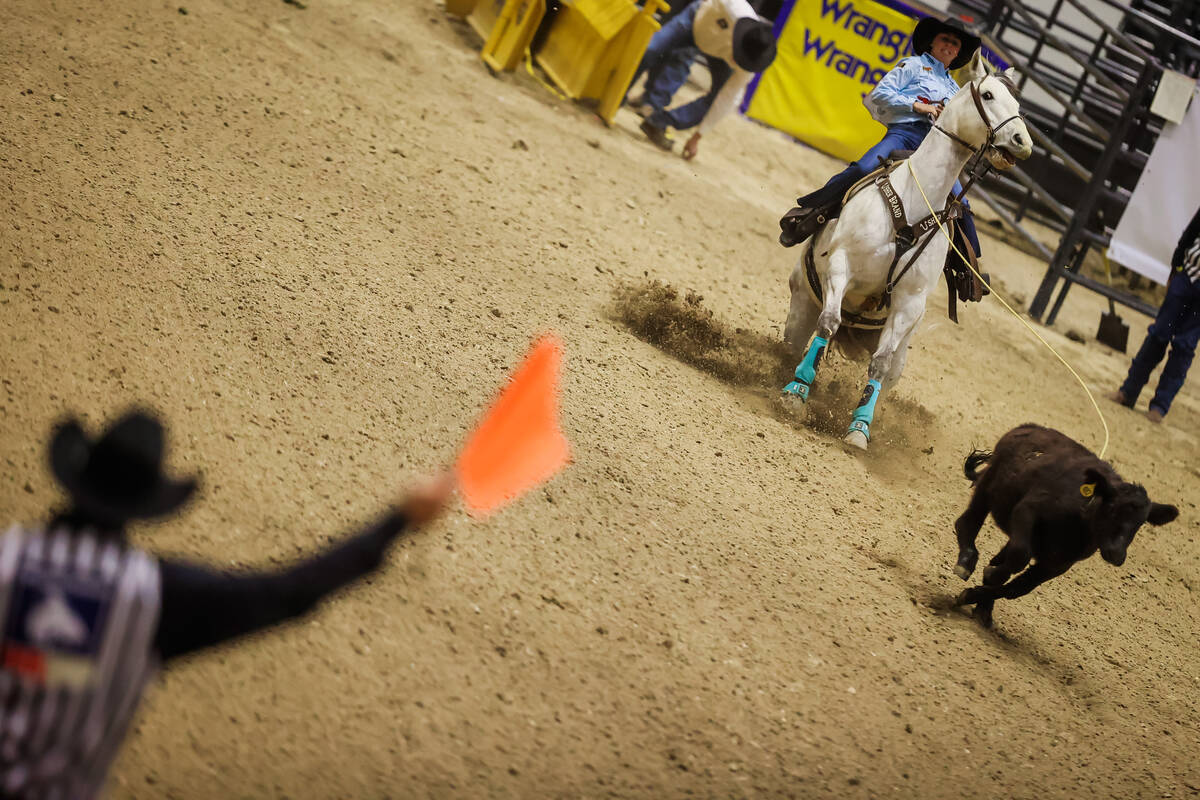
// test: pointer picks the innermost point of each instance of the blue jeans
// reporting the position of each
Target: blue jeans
(676, 36)
(665, 78)
(1177, 325)
(901, 136)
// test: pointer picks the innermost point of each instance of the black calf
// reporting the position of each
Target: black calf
(1057, 502)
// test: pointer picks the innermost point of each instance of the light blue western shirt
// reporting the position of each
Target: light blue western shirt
(892, 99)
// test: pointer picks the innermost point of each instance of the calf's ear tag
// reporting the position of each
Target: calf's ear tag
(1087, 489)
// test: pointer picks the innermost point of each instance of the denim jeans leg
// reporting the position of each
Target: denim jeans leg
(1147, 358)
(690, 114)
(666, 78)
(1158, 336)
(675, 35)
(898, 137)
(968, 229)
(1183, 348)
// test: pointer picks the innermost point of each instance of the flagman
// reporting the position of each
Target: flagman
(88, 620)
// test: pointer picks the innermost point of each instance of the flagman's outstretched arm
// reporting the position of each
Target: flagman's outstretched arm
(202, 607)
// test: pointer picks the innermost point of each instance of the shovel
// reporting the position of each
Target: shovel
(1113, 330)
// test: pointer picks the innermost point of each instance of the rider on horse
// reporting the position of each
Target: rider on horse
(908, 101)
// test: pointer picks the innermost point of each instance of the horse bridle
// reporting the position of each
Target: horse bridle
(983, 115)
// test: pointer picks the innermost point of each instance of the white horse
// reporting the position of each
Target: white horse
(854, 254)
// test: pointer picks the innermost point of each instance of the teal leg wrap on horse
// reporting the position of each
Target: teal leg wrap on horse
(806, 372)
(864, 415)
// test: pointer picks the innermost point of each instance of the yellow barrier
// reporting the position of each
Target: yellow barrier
(460, 8)
(512, 33)
(483, 16)
(611, 84)
(594, 47)
(577, 40)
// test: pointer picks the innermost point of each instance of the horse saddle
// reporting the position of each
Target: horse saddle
(800, 222)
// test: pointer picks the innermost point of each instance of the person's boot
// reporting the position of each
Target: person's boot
(639, 105)
(1119, 398)
(657, 135)
(800, 223)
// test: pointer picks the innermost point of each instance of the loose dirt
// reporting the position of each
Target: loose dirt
(317, 239)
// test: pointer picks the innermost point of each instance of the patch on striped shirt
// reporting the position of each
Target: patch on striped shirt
(54, 629)
(1191, 261)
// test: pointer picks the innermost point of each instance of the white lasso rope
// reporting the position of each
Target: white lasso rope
(1023, 321)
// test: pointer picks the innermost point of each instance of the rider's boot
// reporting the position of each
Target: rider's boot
(800, 223)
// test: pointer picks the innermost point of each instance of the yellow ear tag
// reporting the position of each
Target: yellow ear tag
(1087, 489)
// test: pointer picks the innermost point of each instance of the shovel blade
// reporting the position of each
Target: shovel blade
(1113, 331)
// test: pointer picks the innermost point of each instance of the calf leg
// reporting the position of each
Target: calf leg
(1015, 554)
(1012, 558)
(984, 597)
(966, 529)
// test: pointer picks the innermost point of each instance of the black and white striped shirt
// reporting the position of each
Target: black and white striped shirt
(1191, 262)
(1186, 257)
(86, 622)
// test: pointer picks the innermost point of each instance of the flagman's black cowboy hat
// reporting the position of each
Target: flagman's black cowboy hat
(753, 44)
(118, 476)
(929, 27)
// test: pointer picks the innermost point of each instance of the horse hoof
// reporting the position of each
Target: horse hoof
(856, 439)
(858, 435)
(961, 571)
(797, 390)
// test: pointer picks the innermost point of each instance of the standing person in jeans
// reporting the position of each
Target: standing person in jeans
(87, 620)
(735, 41)
(908, 101)
(1177, 325)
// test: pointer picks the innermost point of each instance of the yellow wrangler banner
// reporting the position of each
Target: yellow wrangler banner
(829, 55)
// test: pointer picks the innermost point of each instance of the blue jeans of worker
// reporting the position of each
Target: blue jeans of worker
(665, 78)
(675, 36)
(900, 136)
(689, 115)
(1178, 325)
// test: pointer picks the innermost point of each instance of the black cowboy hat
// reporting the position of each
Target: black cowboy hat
(929, 27)
(118, 476)
(753, 44)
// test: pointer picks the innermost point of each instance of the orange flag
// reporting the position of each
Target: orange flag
(518, 443)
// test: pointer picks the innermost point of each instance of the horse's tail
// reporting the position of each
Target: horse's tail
(976, 458)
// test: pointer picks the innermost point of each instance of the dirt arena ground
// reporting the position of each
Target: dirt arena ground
(318, 239)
